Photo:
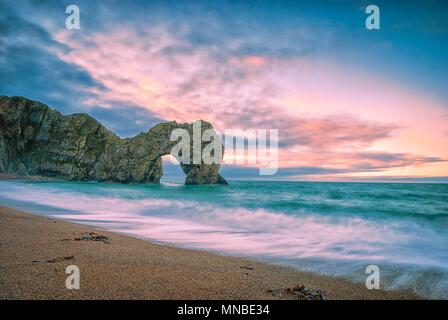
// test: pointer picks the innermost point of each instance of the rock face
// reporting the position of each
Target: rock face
(37, 140)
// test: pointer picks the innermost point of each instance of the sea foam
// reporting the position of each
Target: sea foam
(410, 253)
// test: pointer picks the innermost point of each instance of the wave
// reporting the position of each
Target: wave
(410, 254)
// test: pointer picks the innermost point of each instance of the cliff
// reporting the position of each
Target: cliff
(37, 140)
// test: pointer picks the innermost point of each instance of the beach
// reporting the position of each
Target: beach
(35, 251)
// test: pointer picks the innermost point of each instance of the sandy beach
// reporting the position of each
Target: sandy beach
(35, 251)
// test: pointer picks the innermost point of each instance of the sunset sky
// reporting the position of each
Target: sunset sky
(349, 103)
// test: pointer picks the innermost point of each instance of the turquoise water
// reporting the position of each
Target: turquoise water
(330, 228)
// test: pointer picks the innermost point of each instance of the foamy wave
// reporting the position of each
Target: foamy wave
(259, 233)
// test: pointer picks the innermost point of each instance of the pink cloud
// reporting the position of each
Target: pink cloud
(318, 108)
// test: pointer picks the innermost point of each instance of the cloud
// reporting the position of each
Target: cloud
(381, 161)
(177, 76)
(28, 66)
(127, 120)
(224, 63)
(317, 133)
(336, 163)
(165, 75)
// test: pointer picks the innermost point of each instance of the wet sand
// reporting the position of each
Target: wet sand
(35, 251)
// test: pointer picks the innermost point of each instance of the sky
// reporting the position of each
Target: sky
(349, 104)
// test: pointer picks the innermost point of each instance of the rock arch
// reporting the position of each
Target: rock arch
(37, 140)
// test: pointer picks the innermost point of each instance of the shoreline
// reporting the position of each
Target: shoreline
(35, 250)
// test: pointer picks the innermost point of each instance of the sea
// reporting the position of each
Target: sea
(330, 228)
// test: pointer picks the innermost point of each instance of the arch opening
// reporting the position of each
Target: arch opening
(172, 172)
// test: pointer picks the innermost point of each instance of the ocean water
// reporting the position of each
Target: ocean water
(330, 228)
